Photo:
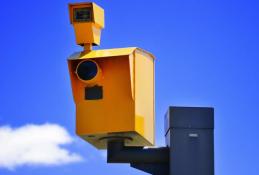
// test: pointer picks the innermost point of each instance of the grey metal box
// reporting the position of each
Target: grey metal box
(189, 133)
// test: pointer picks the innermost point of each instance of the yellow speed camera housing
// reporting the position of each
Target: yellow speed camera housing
(88, 21)
(113, 91)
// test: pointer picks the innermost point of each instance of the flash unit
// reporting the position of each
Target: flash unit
(88, 21)
(83, 15)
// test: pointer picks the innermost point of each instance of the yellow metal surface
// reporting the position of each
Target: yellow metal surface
(144, 98)
(93, 33)
(108, 53)
(87, 32)
(98, 15)
(127, 106)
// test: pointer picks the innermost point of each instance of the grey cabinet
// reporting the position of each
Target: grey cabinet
(189, 134)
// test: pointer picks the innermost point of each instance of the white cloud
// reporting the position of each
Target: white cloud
(35, 145)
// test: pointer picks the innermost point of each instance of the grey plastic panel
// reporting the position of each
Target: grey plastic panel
(94, 93)
(189, 117)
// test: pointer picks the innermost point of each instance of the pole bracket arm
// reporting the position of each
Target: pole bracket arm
(150, 160)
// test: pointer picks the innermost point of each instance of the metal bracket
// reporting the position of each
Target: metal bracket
(150, 160)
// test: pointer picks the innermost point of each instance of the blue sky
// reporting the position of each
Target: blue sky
(207, 55)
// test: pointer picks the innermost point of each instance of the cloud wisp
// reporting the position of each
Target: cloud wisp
(35, 145)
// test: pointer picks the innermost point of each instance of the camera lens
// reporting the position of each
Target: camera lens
(87, 70)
